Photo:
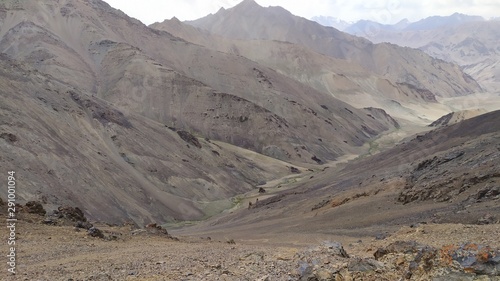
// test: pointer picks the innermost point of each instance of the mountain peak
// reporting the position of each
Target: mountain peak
(248, 3)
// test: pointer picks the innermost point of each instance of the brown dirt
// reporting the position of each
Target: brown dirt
(60, 253)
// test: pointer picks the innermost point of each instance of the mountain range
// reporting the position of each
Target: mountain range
(175, 121)
(469, 41)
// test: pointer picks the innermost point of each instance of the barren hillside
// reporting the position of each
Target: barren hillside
(217, 95)
(472, 45)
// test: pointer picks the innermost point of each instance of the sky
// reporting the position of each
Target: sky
(382, 11)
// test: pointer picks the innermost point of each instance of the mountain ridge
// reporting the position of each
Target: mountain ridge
(184, 127)
(136, 104)
(329, 41)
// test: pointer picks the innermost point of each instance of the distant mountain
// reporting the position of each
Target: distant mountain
(469, 41)
(331, 21)
(412, 69)
(435, 22)
(363, 27)
(340, 78)
(368, 28)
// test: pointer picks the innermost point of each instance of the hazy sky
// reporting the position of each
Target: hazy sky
(383, 11)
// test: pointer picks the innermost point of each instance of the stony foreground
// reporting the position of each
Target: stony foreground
(52, 249)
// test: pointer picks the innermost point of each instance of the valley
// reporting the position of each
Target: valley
(250, 144)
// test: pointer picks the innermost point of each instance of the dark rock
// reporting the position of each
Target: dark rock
(95, 232)
(474, 258)
(83, 224)
(320, 205)
(405, 247)
(189, 138)
(103, 113)
(380, 253)
(72, 214)
(48, 221)
(308, 275)
(336, 249)
(125, 157)
(294, 170)
(316, 159)
(487, 219)
(154, 228)
(487, 193)
(262, 190)
(35, 207)
(9, 137)
(426, 256)
(451, 156)
(443, 120)
(364, 265)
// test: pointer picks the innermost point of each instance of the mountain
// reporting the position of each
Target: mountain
(157, 128)
(70, 148)
(183, 85)
(470, 43)
(440, 21)
(473, 47)
(340, 78)
(410, 68)
(129, 122)
(366, 26)
(331, 21)
(171, 153)
(448, 175)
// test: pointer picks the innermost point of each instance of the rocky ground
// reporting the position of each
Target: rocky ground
(63, 245)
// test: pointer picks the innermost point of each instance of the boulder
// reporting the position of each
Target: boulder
(95, 232)
(34, 207)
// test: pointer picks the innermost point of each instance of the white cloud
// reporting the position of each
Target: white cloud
(384, 11)
(150, 11)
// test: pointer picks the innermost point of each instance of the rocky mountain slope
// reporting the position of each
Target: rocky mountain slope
(129, 122)
(470, 42)
(72, 148)
(217, 95)
(196, 157)
(340, 78)
(156, 128)
(409, 68)
(448, 175)
(455, 117)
